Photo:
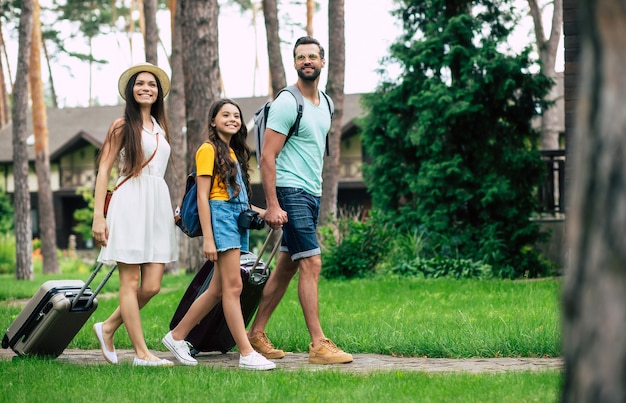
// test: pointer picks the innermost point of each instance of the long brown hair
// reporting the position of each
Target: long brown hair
(225, 167)
(131, 130)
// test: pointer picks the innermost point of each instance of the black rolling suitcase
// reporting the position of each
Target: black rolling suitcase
(53, 316)
(212, 333)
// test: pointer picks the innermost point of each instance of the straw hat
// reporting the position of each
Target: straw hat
(137, 68)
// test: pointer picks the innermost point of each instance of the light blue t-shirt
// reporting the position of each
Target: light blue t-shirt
(300, 162)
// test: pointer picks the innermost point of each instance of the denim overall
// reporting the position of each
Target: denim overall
(224, 213)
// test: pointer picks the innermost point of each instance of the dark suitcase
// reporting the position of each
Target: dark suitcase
(53, 316)
(212, 333)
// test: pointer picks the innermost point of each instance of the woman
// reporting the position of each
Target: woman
(138, 233)
(221, 164)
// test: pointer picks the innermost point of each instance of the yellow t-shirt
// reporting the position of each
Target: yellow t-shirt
(205, 163)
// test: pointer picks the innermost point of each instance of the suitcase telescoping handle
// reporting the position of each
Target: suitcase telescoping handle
(258, 276)
(97, 290)
(273, 233)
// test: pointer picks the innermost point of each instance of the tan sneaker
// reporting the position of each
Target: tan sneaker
(263, 345)
(328, 353)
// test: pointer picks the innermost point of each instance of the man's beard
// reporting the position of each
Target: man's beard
(312, 77)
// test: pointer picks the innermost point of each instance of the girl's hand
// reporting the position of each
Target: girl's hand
(209, 249)
(262, 213)
(259, 210)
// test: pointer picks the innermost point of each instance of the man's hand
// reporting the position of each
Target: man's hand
(275, 217)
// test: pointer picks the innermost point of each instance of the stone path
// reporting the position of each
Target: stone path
(363, 363)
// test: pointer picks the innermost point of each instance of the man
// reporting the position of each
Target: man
(291, 172)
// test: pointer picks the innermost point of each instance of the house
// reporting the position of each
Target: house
(76, 135)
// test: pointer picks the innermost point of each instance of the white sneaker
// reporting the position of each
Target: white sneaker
(255, 361)
(180, 349)
(138, 362)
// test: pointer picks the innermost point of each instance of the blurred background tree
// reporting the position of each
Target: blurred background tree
(451, 144)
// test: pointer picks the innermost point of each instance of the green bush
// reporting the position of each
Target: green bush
(69, 263)
(450, 142)
(443, 267)
(84, 216)
(352, 248)
(6, 213)
(7, 253)
(407, 246)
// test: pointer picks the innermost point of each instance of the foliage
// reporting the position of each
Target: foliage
(452, 146)
(86, 18)
(443, 267)
(352, 248)
(357, 249)
(405, 246)
(84, 216)
(68, 261)
(7, 253)
(6, 212)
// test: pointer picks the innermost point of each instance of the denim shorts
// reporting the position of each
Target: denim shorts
(299, 232)
(226, 233)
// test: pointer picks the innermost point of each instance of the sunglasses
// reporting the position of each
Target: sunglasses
(312, 57)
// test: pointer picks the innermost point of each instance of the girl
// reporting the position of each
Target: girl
(221, 164)
(138, 233)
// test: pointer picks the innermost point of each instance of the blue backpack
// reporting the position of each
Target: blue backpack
(260, 119)
(186, 217)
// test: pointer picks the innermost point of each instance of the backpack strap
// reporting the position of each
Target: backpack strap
(300, 101)
(331, 109)
(331, 104)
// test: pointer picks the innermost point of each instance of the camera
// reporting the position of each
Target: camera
(250, 219)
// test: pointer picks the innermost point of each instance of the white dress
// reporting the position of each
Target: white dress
(140, 216)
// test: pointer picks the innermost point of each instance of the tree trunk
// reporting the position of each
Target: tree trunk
(47, 227)
(6, 59)
(175, 175)
(151, 32)
(53, 94)
(201, 78)
(547, 49)
(23, 228)
(90, 92)
(310, 12)
(130, 24)
(334, 87)
(5, 113)
(550, 118)
(594, 293)
(277, 69)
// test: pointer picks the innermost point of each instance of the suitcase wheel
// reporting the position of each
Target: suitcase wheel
(5, 341)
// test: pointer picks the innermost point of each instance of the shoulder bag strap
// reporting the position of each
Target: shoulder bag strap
(142, 166)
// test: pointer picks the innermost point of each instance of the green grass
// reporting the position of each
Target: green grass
(408, 317)
(30, 380)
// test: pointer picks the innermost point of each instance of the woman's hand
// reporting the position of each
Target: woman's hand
(99, 230)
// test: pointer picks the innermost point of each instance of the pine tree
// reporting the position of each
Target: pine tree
(451, 144)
